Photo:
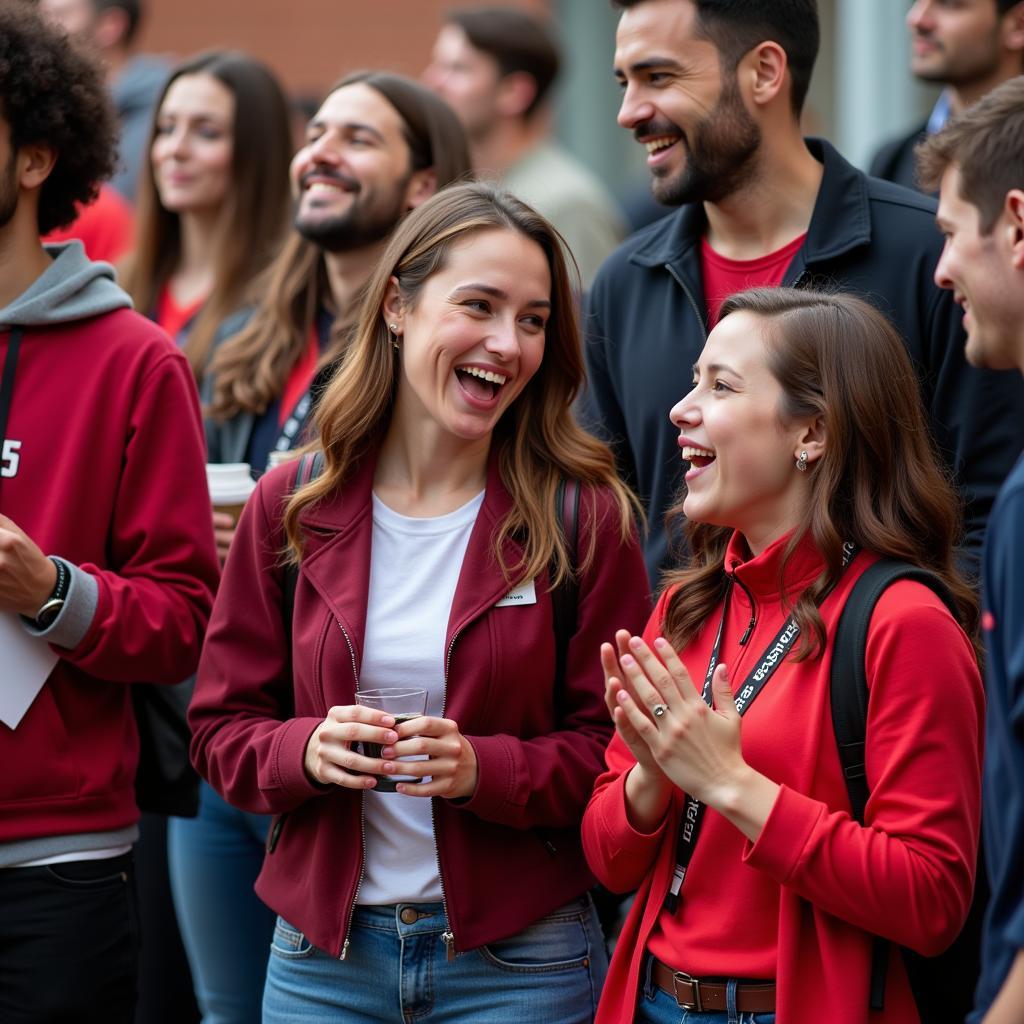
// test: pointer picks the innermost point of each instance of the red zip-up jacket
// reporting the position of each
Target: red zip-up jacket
(801, 904)
(509, 854)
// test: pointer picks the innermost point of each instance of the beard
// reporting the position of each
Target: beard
(720, 155)
(368, 220)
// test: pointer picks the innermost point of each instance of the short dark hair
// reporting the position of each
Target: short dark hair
(737, 26)
(52, 93)
(986, 143)
(131, 8)
(517, 40)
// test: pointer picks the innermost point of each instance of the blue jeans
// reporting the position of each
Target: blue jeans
(398, 972)
(214, 860)
(656, 1007)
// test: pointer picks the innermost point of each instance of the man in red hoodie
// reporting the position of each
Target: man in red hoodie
(107, 564)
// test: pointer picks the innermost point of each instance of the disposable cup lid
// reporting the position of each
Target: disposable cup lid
(229, 483)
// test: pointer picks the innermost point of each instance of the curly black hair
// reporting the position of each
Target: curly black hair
(52, 93)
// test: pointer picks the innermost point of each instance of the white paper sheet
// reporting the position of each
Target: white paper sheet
(25, 664)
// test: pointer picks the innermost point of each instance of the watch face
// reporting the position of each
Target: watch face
(48, 616)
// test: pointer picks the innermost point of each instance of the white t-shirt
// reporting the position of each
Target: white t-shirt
(414, 568)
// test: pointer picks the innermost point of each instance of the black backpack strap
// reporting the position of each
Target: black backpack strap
(311, 465)
(848, 684)
(565, 596)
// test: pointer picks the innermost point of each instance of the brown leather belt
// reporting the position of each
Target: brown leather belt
(694, 994)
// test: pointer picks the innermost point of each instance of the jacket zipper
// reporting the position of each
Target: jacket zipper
(693, 301)
(448, 936)
(362, 821)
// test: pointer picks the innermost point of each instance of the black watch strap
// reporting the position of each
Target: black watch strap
(63, 584)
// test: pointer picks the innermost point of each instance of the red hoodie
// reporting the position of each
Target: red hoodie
(798, 905)
(108, 476)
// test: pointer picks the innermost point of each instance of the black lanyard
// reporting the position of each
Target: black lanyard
(7, 386)
(295, 424)
(764, 668)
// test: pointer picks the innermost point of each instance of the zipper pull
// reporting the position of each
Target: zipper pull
(449, 944)
(344, 950)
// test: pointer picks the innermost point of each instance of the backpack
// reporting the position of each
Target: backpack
(943, 985)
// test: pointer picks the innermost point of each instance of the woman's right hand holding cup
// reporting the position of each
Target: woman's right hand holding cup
(331, 755)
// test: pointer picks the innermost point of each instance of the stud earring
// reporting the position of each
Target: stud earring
(801, 463)
(393, 328)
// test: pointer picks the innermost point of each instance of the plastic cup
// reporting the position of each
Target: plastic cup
(403, 704)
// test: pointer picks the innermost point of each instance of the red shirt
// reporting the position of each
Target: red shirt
(172, 317)
(800, 903)
(723, 277)
(104, 226)
(300, 377)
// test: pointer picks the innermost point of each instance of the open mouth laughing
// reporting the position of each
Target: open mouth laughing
(479, 383)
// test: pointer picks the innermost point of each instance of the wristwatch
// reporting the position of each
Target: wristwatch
(54, 604)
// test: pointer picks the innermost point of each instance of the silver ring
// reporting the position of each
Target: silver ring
(659, 709)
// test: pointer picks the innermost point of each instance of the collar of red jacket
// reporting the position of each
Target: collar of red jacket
(768, 573)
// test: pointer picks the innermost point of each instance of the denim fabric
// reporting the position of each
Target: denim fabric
(214, 860)
(551, 972)
(69, 940)
(657, 1007)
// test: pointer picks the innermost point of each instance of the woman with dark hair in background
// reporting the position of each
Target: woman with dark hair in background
(213, 202)
(212, 212)
(759, 892)
(425, 555)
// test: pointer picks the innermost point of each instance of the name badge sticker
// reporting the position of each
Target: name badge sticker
(525, 593)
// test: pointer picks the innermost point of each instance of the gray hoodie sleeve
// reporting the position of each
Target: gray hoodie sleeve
(69, 628)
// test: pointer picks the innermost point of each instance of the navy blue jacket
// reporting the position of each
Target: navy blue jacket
(1003, 808)
(895, 160)
(646, 323)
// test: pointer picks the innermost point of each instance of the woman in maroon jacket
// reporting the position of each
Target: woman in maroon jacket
(759, 894)
(427, 551)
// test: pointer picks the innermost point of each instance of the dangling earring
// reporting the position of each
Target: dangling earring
(393, 328)
(801, 463)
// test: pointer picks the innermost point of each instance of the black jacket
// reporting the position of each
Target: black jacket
(895, 160)
(646, 325)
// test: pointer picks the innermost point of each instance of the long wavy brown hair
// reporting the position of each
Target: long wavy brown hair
(254, 218)
(879, 483)
(540, 441)
(250, 370)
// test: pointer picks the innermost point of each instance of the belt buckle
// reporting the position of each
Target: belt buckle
(682, 978)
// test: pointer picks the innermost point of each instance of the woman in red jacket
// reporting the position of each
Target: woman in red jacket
(759, 894)
(426, 554)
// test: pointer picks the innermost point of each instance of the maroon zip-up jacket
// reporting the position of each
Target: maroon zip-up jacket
(508, 855)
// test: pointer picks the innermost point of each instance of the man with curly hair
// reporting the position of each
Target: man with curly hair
(107, 564)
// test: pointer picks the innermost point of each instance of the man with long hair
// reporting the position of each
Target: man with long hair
(378, 146)
(107, 565)
(977, 164)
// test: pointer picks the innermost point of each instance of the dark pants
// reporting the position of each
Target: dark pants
(69, 939)
(165, 983)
